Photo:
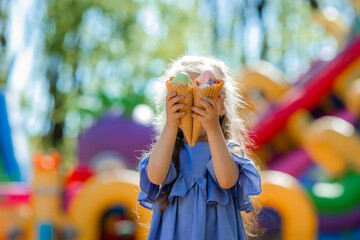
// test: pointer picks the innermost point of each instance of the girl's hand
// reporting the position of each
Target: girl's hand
(209, 117)
(173, 106)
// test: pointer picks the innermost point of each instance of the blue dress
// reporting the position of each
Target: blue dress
(199, 209)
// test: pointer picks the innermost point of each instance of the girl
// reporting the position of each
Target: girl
(198, 193)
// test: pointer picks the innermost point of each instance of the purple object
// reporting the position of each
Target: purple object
(114, 135)
(212, 81)
(270, 222)
(346, 115)
(293, 163)
(336, 223)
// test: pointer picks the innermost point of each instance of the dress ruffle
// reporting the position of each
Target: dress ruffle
(150, 192)
(249, 183)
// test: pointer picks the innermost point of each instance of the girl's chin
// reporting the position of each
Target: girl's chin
(202, 137)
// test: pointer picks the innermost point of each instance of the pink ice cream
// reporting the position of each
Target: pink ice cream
(205, 79)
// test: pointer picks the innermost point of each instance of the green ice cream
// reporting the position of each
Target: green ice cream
(182, 78)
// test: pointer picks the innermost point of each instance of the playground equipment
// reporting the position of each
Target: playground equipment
(9, 168)
(283, 193)
(100, 192)
(307, 93)
(94, 200)
(105, 205)
(95, 143)
(310, 130)
(334, 144)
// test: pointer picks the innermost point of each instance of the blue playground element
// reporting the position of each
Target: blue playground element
(348, 235)
(45, 232)
(9, 168)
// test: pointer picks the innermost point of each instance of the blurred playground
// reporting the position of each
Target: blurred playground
(305, 132)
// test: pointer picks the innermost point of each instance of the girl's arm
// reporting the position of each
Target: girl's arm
(226, 171)
(160, 158)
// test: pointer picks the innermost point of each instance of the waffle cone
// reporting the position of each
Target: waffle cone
(187, 91)
(213, 92)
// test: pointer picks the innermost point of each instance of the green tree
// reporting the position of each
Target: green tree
(101, 54)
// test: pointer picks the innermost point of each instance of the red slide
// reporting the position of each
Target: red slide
(305, 95)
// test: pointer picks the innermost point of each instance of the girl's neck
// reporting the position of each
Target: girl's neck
(200, 139)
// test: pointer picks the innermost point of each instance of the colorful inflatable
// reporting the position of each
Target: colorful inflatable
(308, 95)
(109, 189)
(312, 132)
(95, 144)
(283, 193)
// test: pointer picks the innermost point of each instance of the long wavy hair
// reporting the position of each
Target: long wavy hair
(232, 124)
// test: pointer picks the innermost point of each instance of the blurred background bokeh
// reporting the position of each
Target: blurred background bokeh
(77, 79)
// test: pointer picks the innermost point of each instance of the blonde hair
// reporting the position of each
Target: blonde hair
(233, 125)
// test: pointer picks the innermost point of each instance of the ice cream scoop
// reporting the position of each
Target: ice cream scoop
(182, 78)
(204, 85)
(206, 77)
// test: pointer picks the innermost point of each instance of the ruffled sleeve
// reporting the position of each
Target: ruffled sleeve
(149, 192)
(249, 182)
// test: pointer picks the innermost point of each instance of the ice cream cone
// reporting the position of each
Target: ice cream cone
(186, 91)
(213, 92)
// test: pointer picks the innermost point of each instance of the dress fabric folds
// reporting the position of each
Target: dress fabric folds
(199, 209)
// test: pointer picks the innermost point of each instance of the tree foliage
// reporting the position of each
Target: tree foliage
(100, 55)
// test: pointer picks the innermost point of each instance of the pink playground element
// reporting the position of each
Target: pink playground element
(294, 163)
(71, 191)
(75, 181)
(79, 174)
(14, 193)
